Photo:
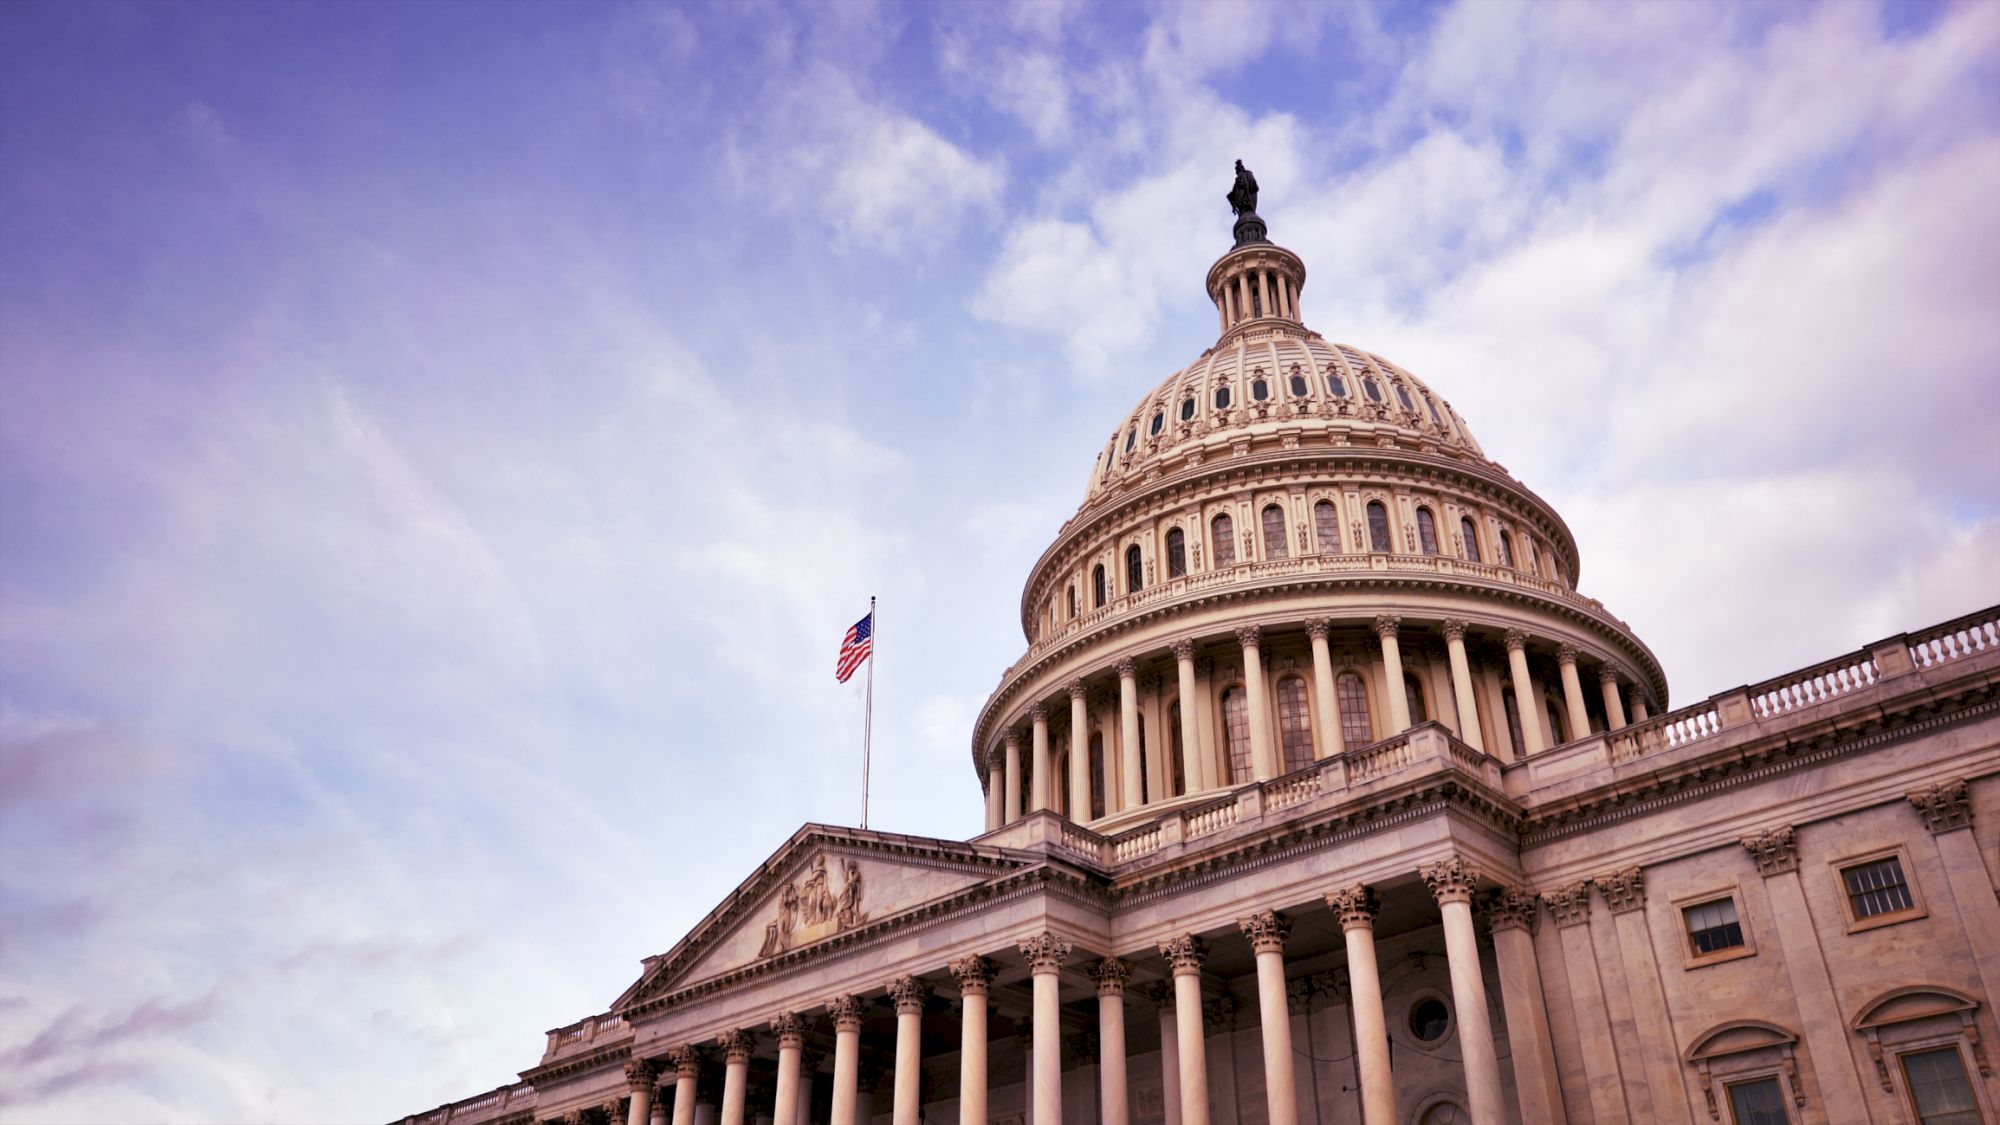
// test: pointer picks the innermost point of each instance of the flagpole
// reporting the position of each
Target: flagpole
(868, 709)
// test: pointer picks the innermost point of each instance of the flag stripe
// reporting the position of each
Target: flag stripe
(855, 647)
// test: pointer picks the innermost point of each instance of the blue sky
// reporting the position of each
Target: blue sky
(441, 445)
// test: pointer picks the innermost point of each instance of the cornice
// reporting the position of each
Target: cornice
(597, 1058)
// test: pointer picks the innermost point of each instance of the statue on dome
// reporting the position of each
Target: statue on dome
(1243, 195)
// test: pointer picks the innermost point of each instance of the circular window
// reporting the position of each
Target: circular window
(1260, 390)
(1222, 398)
(1187, 410)
(1159, 423)
(1429, 1019)
(1335, 385)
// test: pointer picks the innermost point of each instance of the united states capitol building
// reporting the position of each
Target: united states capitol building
(1322, 795)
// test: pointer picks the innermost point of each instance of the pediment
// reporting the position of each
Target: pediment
(824, 884)
(1917, 1003)
(1736, 1038)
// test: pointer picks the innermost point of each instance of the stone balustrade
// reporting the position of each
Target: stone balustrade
(1831, 679)
(585, 1034)
(506, 1101)
(1955, 640)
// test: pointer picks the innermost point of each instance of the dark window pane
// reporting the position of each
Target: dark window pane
(1471, 537)
(1373, 389)
(1758, 1102)
(1413, 694)
(1877, 888)
(1222, 398)
(1135, 570)
(1274, 532)
(1097, 586)
(1299, 388)
(1506, 550)
(1295, 724)
(1938, 1086)
(1713, 926)
(1427, 532)
(1260, 390)
(1177, 769)
(1403, 396)
(1187, 410)
(1176, 553)
(1159, 423)
(1335, 385)
(1378, 526)
(1236, 722)
(1352, 694)
(1429, 1019)
(1326, 527)
(1096, 775)
(1222, 539)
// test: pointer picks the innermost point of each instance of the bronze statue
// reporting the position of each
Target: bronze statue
(1243, 195)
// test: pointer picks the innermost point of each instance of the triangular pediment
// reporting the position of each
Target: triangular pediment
(824, 884)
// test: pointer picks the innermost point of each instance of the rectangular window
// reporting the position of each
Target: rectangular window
(1713, 926)
(1877, 887)
(1938, 1087)
(1757, 1102)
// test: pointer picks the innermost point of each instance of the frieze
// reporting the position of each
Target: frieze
(810, 909)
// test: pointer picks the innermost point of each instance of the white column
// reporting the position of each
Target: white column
(1038, 785)
(996, 793)
(1161, 993)
(1386, 627)
(909, 994)
(1525, 702)
(975, 978)
(1243, 306)
(1264, 291)
(1045, 954)
(1605, 1082)
(1267, 931)
(1356, 907)
(1186, 954)
(790, 1031)
(735, 1046)
(1452, 883)
(1461, 685)
(1190, 730)
(1328, 742)
(1624, 892)
(1128, 733)
(1614, 703)
(1013, 763)
(1111, 975)
(1079, 753)
(1579, 716)
(846, 1011)
(1263, 759)
(639, 1078)
(1511, 916)
(687, 1071)
(1638, 704)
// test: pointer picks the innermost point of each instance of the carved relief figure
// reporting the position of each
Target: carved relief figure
(849, 913)
(810, 909)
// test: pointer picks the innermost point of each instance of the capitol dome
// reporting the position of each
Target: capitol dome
(1303, 542)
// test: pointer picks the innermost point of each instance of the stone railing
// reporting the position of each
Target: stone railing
(1955, 640)
(1772, 701)
(505, 1101)
(1212, 817)
(584, 1033)
(1259, 573)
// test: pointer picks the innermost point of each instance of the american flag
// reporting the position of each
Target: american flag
(855, 647)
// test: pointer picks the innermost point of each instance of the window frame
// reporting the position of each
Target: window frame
(1387, 544)
(1690, 959)
(1468, 530)
(1222, 699)
(1176, 553)
(1135, 568)
(1426, 523)
(1366, 715)
(1275, 547)
(1923, 1046)
(1777, 1080)
(1305, 709)
(1327, 545)
(1901, 854)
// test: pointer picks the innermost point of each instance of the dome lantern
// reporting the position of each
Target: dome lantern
(1257, 280)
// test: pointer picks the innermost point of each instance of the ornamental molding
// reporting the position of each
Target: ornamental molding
(735, 1044)
(1511, 908)
(811, 910)
(846, 1010)
(1452, 880)
(1355, 906)
(1569, 905)
(1185, 954)
(1111, 976)
(1623, 890)
(974, 975)
(686, 1062)
(640, 1074)
(909, 993)
(1945, 806)
(1045, 953)
(789, 1029)
(1387, 625)
(1776, 850)
(1266, 931)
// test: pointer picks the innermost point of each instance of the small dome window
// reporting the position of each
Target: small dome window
(1429, 1020)
(1131, 438)
(1187, 409)
(1299, 388)
(1159, 423)
(1260, 389)
(1222, 398)
(1433, 408)
(1403, 395)
(1373, 389)
(1335, 385)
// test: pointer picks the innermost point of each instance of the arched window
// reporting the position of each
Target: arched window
(1187, 409)
(1335, 385)
(1413, 694)
(1159, 423)
(1471, 536)
(1236, 725)
(1294, 724)
(1427, 532)
(1071, 603)
(1222, 540)
(1260, 389)
(1222, 398)
(1355, 729)
(1370, 387)
(1506, 550)
(1176, 768)
(1299, 388)
(1326, 527)
(1378, 526)
(1096, 775)
(1097, 586)
(1176, 553)
(1274, 532)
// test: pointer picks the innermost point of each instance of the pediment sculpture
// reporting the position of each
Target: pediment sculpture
(811, 909)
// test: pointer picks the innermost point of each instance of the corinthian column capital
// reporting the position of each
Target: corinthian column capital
(735, 1044)
(1126, 668)
(1045, 953)
(1267, 931)
(1111, 975)
(640, 1074)
(1038, 714)
(1776, 850)
(846, 1012)
(1249, 635)
(686, 1061)
(1566, 653)
(1387, 625)
(1571, 904)
(1319, 628)
(1516, 639)
(1077, 690)
(1356, 906)
(1185, 954)
(909, 993)
(1454, 629)
(1944, 806)
(1623, 890)
(1510, 908)
(1184, 650)
(974, 975)
(789, 1028)
(1450, 881)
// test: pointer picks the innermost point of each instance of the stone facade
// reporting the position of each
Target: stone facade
(1321, 796)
